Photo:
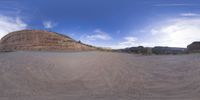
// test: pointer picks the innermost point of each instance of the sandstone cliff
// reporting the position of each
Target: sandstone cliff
(39, 40)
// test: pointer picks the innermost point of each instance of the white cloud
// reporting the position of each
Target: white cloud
(129, 41)
(10, 24)
(178, 32)
(48, 24)
(98, 35)
(154, 31)
(190, 15)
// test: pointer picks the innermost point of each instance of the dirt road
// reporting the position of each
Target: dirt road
(98, 76)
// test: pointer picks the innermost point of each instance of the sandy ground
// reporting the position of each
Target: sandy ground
(98, 76)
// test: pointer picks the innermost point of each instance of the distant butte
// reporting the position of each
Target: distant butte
(39, 40)
(194, 47)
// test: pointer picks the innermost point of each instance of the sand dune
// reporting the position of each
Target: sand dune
(98, 76)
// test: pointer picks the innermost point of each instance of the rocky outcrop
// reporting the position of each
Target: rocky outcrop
(168, 50)
(137, 50)
(155, 50)
(41, 41)
(194, 47)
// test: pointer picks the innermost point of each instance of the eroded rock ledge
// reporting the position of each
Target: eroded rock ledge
(39, 40)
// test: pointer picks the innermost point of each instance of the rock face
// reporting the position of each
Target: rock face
(194, 47)
(168, 50)
(155, 50)
(41, 41)
(137, 50)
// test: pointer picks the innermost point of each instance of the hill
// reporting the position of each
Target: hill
(39, 40)
(194, 47)
(159, 50)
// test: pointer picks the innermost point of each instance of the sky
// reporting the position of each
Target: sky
(108, 23)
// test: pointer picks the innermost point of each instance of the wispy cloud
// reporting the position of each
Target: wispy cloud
(190, 14)
(131, 41)
(98, 35)
(10, 7)
(178, 32)
(48, 24)
(174, 4)
(127, 42)
(10, 24)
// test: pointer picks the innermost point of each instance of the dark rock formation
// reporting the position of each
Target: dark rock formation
(194, 47)
(137, 50)
(41, 41)
(168, 50)
(155, 50)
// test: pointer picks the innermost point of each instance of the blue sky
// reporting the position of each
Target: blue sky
(108, 23)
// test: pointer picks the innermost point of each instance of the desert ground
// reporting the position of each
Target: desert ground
(98, 76)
